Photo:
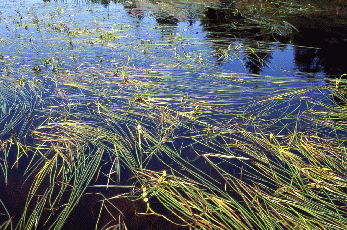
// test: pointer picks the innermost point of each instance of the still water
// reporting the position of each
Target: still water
(218, 58)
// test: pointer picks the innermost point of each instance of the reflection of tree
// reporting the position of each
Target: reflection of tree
(224, 24)
(328, 59)
(255, 61)
(224, 28)
(133, 10)
(327, 33)
(306, 60)
(329, 38)
(105, 3)
(314, 31)
(254, 58)
(223, 16)
(164, 19)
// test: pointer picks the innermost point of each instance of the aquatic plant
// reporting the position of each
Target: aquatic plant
(100, 110)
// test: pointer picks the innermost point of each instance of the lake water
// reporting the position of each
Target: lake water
(77, 60)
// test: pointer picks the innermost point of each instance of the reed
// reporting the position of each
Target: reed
(133, 119)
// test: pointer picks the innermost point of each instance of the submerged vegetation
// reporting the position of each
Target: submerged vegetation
(95, 110)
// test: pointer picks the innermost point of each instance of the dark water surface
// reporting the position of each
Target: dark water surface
(213, 55)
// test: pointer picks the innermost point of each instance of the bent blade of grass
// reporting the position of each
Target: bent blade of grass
(86, 168)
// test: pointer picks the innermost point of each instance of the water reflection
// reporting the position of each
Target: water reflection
(326, 38)
(218, 35)
(225, 21)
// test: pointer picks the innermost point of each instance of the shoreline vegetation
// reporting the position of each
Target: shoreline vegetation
(96, 118)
